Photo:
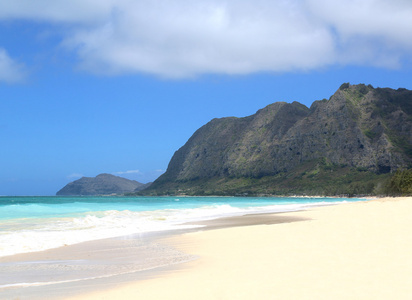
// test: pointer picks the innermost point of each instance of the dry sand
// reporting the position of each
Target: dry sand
(349, 251)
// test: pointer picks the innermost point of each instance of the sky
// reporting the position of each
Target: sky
(117, 86)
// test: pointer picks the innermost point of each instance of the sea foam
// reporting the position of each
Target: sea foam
(48, 229)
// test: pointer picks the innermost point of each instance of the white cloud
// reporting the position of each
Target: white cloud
(374, 32)
(383, 19)
(10, 70)
(183, 38)
(75, 176)
(128, 172)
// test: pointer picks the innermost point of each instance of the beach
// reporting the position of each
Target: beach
(347, 251)
(359, 250)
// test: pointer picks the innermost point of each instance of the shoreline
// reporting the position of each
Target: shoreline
(350, 251)
(87, 266)
(201, 247)
(79, 228)
(147, 247)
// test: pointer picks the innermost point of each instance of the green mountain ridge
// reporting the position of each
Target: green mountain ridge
(349, 144)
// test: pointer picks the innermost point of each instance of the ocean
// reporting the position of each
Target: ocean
(29, 224)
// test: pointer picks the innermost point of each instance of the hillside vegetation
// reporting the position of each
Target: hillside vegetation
(351, 144)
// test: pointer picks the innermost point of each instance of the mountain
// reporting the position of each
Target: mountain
(103, 184)
(348, 144)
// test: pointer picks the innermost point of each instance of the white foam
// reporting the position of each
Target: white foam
(42, 234)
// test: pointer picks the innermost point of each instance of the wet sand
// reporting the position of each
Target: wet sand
(85, 267)
(100, 264)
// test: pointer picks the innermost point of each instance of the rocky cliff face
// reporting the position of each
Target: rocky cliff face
(103, 184)
(358, 127)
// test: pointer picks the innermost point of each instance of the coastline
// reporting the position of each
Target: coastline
(348, 251)
(88, 266)
(343, 251)
(85, 267)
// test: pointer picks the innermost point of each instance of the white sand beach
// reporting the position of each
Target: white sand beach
(350, 251)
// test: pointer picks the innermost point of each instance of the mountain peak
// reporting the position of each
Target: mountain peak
(359, 128)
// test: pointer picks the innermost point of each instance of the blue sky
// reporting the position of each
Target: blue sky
(104, 86)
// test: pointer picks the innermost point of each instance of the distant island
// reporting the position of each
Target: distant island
(103, 184)
(352, 144)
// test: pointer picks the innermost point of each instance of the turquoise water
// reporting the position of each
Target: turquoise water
(46, 207)
(37, 223)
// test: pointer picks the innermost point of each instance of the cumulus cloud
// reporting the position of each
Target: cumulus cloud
(10, 70)
(387, 20)
(373, 32)
(191, 38)
(183, 38)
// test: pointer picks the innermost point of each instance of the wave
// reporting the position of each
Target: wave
(29, 235)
